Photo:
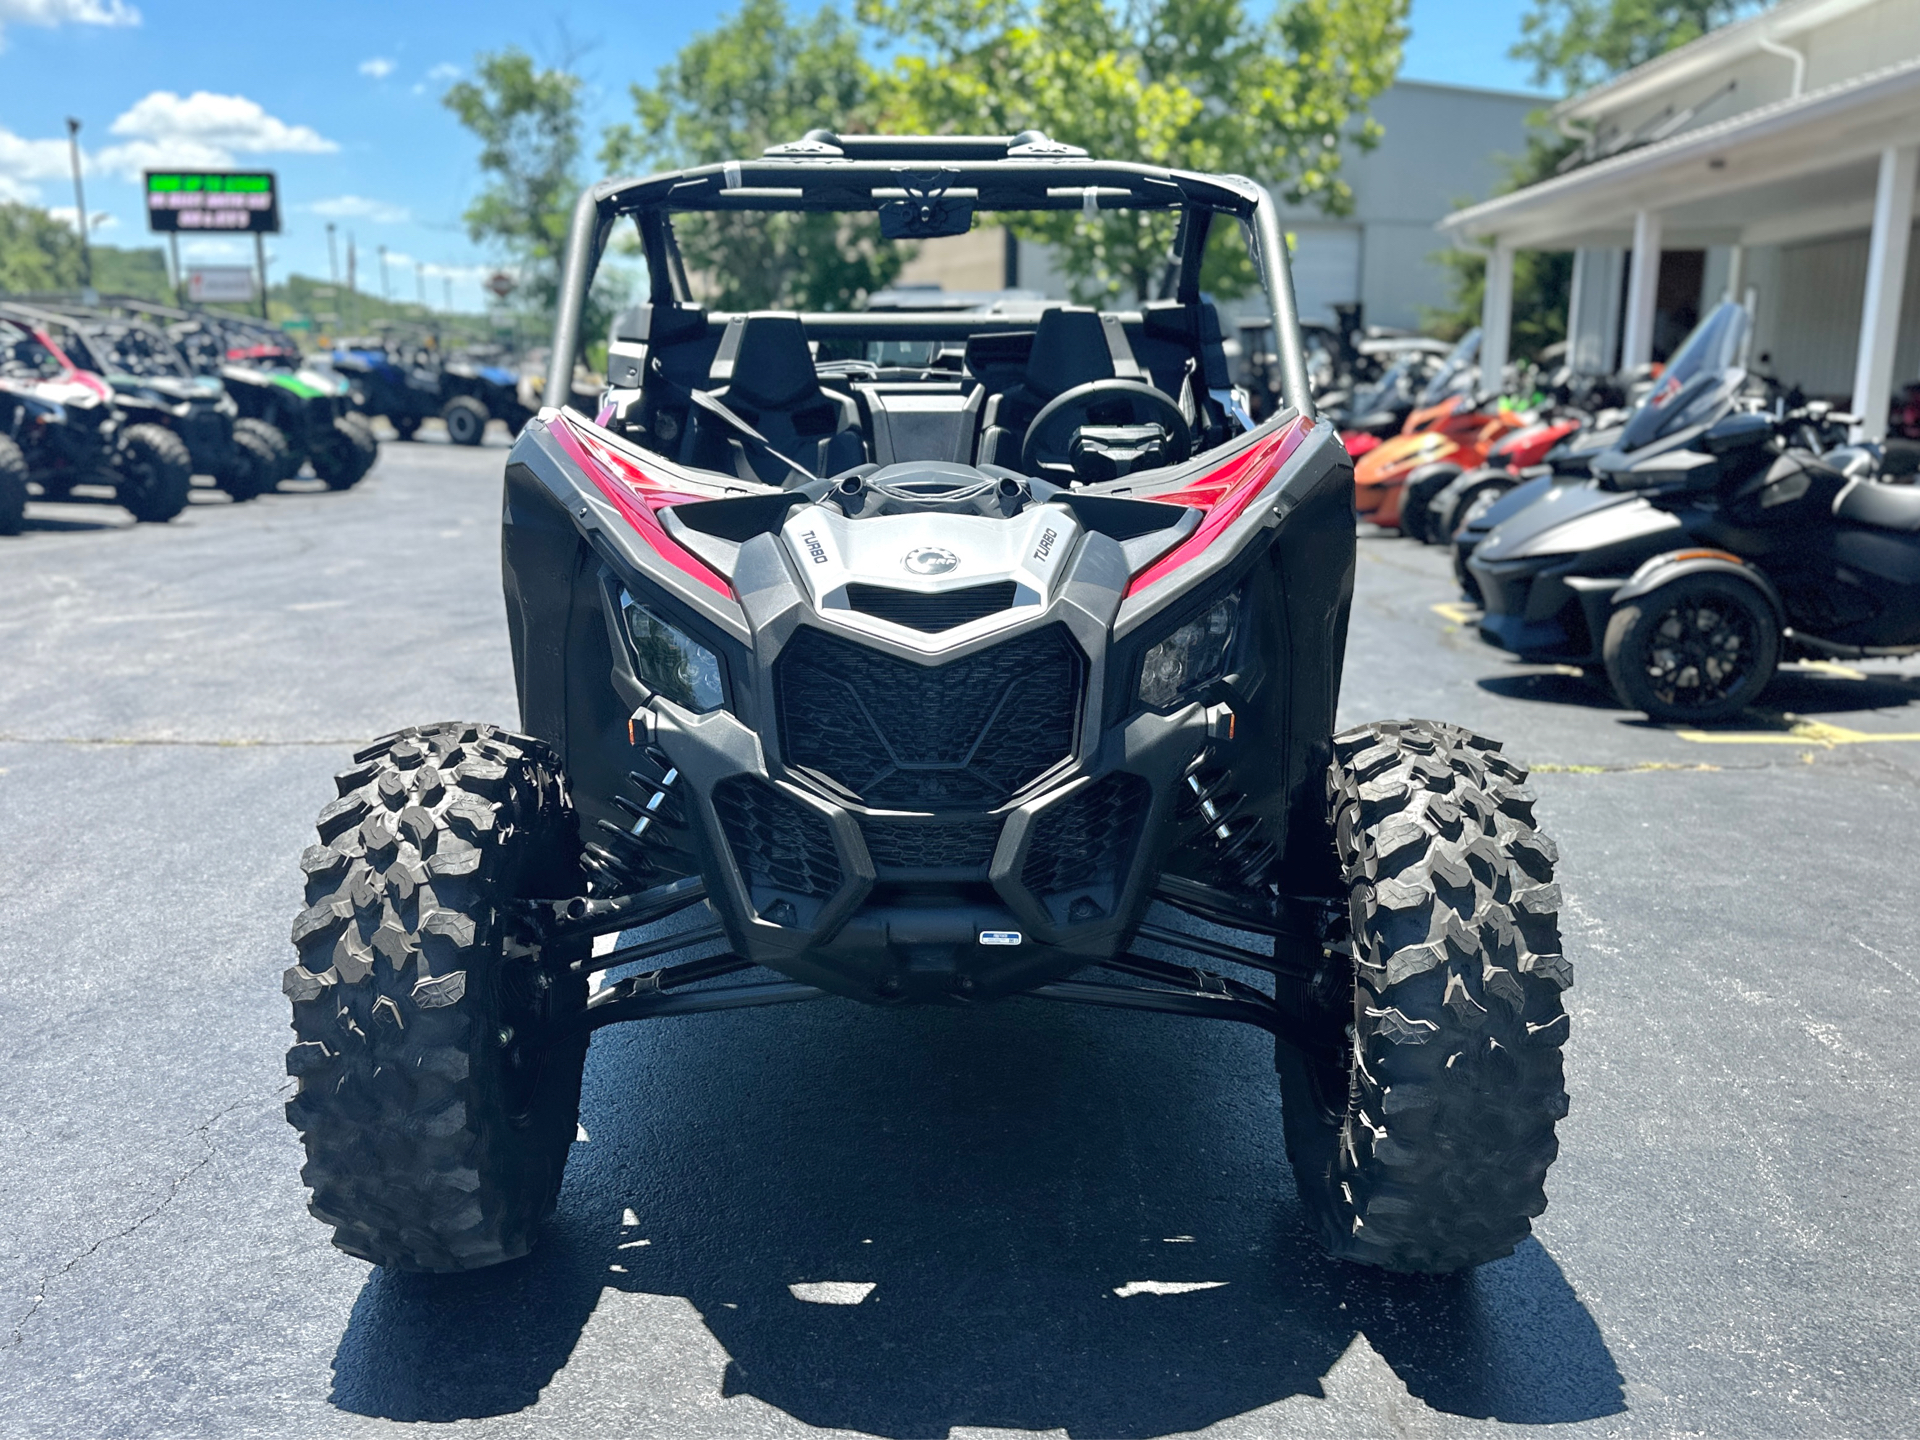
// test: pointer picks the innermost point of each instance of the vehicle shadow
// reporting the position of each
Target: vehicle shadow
(995, 1176)
(1797, 690)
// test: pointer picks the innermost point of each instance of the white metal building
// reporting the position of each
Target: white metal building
(1773, 159)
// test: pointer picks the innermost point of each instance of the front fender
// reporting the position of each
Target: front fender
(1674, 564)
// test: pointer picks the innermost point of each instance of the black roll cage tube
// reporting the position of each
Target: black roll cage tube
(824, 179)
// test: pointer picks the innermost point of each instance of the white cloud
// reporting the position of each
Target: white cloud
(201, 131)
(445, 70)
(23, 163)
(359, 207)
(50, 13)
(379, 67)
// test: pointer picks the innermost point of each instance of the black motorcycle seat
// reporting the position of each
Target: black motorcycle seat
(1884, 507)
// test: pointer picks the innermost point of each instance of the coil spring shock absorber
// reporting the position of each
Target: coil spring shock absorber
(628, 858)
(1239, 848)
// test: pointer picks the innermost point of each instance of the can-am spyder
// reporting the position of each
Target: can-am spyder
(1710, 546)
(917, 683)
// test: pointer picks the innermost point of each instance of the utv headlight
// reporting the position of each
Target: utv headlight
(1190, 656)
(671, 662)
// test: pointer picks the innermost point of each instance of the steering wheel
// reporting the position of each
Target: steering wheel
(1117, 402)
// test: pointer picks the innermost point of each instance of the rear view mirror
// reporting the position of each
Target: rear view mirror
(925, 218)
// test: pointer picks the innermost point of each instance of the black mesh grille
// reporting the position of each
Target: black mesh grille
(778, 843)
(964, 735)
(932, 613)
(1087, 839)
(931, 844)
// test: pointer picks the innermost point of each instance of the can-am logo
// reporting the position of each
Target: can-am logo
(930, 560)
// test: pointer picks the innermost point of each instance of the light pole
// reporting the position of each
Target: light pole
(420, 282)
(80, 204)
(386, 291)
(447, 280)
(333, 256)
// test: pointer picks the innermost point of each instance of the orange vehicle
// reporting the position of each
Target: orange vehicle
(1455, 432)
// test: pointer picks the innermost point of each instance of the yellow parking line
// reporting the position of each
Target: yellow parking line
(1834, 668)
(1802, 732)
(1453, 610)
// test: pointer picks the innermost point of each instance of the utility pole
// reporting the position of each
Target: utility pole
(447, 281)
(333, 256)
(260, 264)
(386, 291)
(420, 282)
(353, 295)
(80, 206)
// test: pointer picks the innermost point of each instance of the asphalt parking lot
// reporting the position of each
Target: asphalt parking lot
(1052, 1220)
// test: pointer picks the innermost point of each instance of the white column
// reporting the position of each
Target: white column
(1496, 316)
(1643, 289)
(1886, 279)
(1736, 270)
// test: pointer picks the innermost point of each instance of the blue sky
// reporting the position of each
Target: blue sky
(342, 101)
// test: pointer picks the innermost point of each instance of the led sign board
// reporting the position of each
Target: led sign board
(198, 200)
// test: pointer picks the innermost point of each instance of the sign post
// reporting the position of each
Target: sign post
(216, 201)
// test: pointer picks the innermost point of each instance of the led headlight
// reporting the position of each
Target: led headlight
(1190, 656)
(671, 662)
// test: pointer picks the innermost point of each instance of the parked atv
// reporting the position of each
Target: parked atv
(1441, 442)
(304, 407)
(395, 379)
(918, 684)
(1735, 545)
(153, 385)
(61, 429)
(475, 388)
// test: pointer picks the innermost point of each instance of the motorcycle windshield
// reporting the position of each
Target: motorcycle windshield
(1453, 369)
(1703, 374)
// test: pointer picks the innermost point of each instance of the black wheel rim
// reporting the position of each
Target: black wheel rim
(1700, 651)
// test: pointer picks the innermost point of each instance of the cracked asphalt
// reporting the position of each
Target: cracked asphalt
(1025, 1219)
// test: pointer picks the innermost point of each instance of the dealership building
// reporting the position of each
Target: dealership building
(1772, 160)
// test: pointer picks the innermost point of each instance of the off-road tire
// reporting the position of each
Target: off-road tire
(13, 488)
(1634, 634)
(1423, 1144)
(153, 473)
(366, 445)
(251, 468)
(1423, 487)
(285, 464)
(436, 1125)
(466, 419)
(343, 455)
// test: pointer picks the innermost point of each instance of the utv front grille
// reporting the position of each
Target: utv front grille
(779, 844)
(1088, 839)
(963, 735)
(924, 846)
(932, 613)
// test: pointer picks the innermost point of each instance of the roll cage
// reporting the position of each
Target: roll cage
(826, 172)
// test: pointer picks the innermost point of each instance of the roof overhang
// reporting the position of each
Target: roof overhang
(1712, 52)
(1823, 131)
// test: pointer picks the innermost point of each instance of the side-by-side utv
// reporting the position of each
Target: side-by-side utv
(916, 684)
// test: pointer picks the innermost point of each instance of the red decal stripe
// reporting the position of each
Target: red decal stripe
(1224, 494)
(636, 497)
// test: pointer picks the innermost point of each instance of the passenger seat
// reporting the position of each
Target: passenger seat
(764, 373)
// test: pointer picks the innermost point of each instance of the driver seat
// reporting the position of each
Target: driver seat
(763, 372)
(1074, 344)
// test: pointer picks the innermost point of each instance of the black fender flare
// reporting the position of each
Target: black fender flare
(1699, 560)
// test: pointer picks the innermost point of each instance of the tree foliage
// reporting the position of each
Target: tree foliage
(1574, 44)
(1194, 84)
(527, 119)
(37, 252)
(760, 78)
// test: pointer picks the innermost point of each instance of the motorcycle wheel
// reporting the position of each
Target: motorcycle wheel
(1696, 649)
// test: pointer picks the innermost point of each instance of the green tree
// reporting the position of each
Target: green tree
(1574, 44)
(527, 119)
(760, 78)
(37, 252)
(1194, 84)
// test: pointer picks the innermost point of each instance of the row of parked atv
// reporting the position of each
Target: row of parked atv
(141, 398)
(403, 376)
(1687, 538)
